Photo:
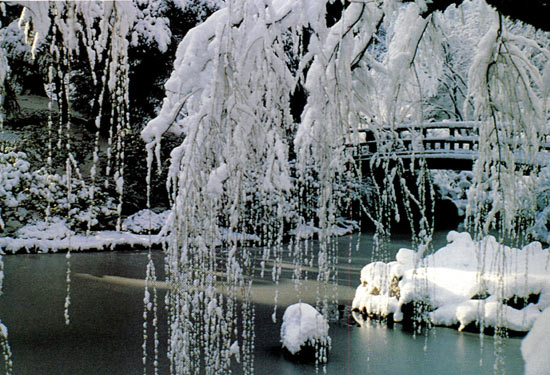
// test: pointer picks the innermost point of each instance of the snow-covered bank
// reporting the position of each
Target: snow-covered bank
(54, 236)
(462, 284)
(104, 240)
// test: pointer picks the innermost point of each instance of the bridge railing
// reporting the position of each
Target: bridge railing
(445, 144)
(436, 136)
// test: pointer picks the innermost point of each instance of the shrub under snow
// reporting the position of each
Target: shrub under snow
(145, 220)
(25, 193)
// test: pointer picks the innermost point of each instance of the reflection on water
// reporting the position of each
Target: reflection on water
(105, 335)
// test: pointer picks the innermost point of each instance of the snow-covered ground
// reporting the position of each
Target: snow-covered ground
(464, 283)
(142, 229)
(55, 235)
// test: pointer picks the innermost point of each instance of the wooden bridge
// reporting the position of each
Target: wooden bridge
(443, 145)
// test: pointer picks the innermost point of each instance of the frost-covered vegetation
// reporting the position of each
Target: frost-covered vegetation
(265, 103)
(35, 195)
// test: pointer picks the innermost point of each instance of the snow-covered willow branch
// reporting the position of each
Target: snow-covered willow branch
(330, 122)
(4, 70)
(229, 97)
(509, 85)
(359, 81)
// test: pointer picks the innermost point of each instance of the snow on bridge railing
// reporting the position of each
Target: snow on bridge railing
(447, 139)
(448, 136)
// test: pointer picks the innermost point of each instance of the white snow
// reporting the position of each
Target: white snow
(465, 282)
(454, 186)
(145, 220)
(234, 350)
(55, 229)
(303, 324)
(101, 240)
(3, 331)
(216, 179)
(54, 235)
(534, 347)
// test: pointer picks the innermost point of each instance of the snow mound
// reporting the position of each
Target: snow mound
(303, 325)
(462, 284)
(534, 347)
(145, 220)
(42, 230)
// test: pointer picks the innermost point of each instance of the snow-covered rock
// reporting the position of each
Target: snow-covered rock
(304, 327)
(534, 347)
(461, 284)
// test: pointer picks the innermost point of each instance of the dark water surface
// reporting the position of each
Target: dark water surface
(106, 335)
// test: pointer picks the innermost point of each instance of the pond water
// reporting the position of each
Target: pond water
(105, 334)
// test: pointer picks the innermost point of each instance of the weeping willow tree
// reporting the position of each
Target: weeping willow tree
(246, 160)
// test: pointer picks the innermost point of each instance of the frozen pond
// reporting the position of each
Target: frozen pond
(105, 334)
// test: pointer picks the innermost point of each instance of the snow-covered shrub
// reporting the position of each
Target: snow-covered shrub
(31, 137)
(532, 193)
(144, 221)
(41, 230)
(26, 195)
(26, 73)
(454, 186)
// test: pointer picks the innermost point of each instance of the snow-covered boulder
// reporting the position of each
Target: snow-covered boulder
(534, 347)
(304, 330)
(378, 294)
(464, 284)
